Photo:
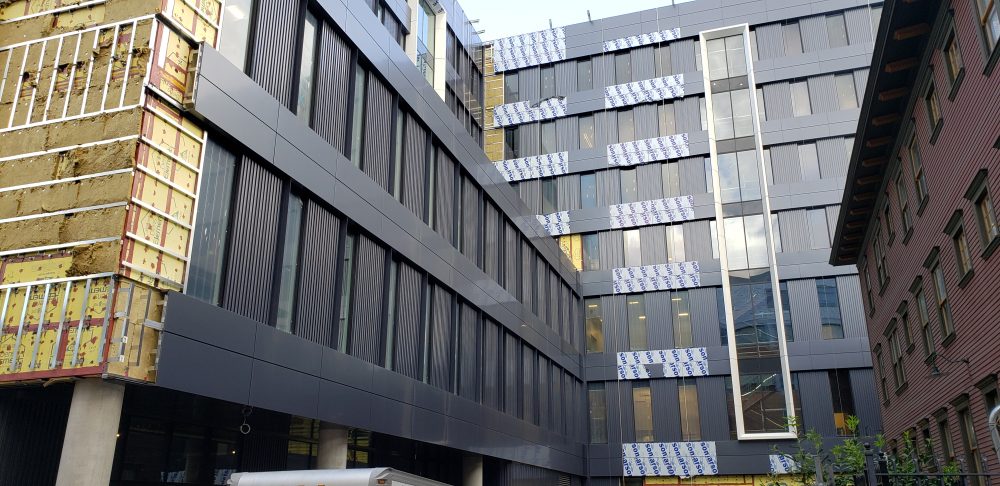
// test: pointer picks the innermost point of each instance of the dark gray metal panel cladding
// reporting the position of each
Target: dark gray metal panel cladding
(704, 317)
(406, 356)
(491, 364)
(491, 243)
(866, 402)
(712, 397)
(660, 330)
(527, 277)
(615, 425)
(33, 423)
(851, 306)
(528, 388)
(511, 265)
(366, 305)
(272, 61)
(666, 422)
(469, 339)
(440, 345)
(314, 317)
(414, 166)
(444, 205)
(511, 376)
(544, 391)
(470, 218)
(378, 132)
(332, 88)
(817, 404)
(256, 214)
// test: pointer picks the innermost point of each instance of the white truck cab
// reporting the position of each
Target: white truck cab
(382, 476)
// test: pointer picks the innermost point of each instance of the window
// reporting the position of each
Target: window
(776, 232)
(967, 429)
(347, 285)
(881, 373)
(786, 312)
(925, 323)
(793, 38)
(587, 132)
(829, 308)
(397, 170)
(962, 252)
(626, 126)
(511, 89)
(836, 30)
(943, 306)
(878, 249)
(633, 254)
(917, 166)
(358, 117)
(670, 173)
(726, 57)
(761, 109)
(623, 68)
(629, 186)
(668, 124)
(733, 117)
(903, 200)
(703, 107)
(843, 399)
(548, 134)
(809, 162)
(947, 446)
(868, 289)
(800, 99)
(714, 231)
(904, 322)
(635, 308)
(932, 106)
(846, 94)
(390, 318)
(289, 265)
(208, 251)
(425, 41)
(738, 176)
(986, 218)
(511, 142)
(642, 407)
(598, 406)
(594, 326)
(235, 40)
(664, 66)
(989, 23)
(681, 306)
(895, 349)
(819, 234)
(687, 395)
(548, 82)
(745, 244)
(675, 243)
(584, 75)
(307, 69)
(588, 191)
(550, 190)
(591, 252)
(952, 56)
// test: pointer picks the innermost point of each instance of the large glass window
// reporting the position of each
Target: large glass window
(235, 39)
(754, 319)
(626, 126)
(970, 445)
(591, 252)
(670, 173)
(903, 200)
(635, 309)
(943, 306)
(550, 195)
(347, 287)
(548, 132)
(675, 243)
(633, 253)
(738, 176)
(681, 306)
(786, 312)
(843, 399)
(307, 68)
(726, 57)
(425, 41)
(511, 89)
(588, 191)
(809, 162)
(896, 353)
(989, 22)
(587, 132)
(800, 99)
(358, 117)
(208, 250)
(764, 408)
(733, 115)
(687, 395)
(668, 123)
(623, 68)
(547, 82)
(829, 308)
(288, 280)
(584, 75)
(836, 30)
(793, 38)
(642, 406)
(630, 187)
(511, 142)
(746, 246)
(598, 401)
(962, 255)
(595, 326)
(932, 105)
(664, 67)
(397, 162)
(846, 94)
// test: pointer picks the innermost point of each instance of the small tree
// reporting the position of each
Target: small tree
(840, 465)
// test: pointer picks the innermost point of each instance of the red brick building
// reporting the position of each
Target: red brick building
(919, 219)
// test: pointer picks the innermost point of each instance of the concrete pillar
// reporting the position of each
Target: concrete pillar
(472, 470)
(332, 447)
(88, 450)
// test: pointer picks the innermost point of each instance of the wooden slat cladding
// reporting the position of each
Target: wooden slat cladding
(272, 62)
(253, 242)
(316, 303)
(333, 83)
(366, 305)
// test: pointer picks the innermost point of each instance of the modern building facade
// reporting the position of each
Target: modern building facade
(919, 222)
(266, 234)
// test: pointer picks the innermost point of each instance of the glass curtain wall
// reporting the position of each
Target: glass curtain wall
(755, 333)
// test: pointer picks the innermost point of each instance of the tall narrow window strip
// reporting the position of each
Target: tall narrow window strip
(642, 407)
(926, 335)
(588, 191)
(952, 56)
(347, 287)
(986, 217)
(687, 394)
(831, 319)
(800, 99)
(397, 171)
(932, 106)
(584, 75)
(681, 305)
(792, 37)
(598, 406)
(548, 82)
(989, 23)
(943, 306)
(307, 68)
(235, 39)
(511, 89)
(626, 126)
(917, 169)
(629, 186)
(594, 326)
(635, 309)
(358, 116)
(548, 135)
(633, 253)
(390, 318)
(208, 251)
(587, 132)
(846, 94)
(623, 68)
(284, 320)
(836, 30)
(962, 255)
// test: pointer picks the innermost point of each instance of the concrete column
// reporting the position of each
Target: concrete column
(332, 447)
(88, 450)
(472, 470)
(440, 52)
(410, 44)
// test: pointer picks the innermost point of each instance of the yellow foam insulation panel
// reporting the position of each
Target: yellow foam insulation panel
(723, 480)
(492, 97)
(572, 246)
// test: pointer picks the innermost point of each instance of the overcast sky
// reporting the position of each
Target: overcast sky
(503, 18)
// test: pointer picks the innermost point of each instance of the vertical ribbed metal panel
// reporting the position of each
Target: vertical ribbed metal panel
(32, 427)
(666, 410)
(569, 192)
(406, 356)
(491, 365)
(866, 402)
(378, 132)
(627, 411)
(833, 157)
(778, 100)
(440, 345)
(528, 388)
(814, 36)
(553, 305)
(643, 62)
(804, 307)
(333, 81)
(491, 242)
(693, 177)
(444, 205)
(712, 400)
(544, 390)
(615, 323)
(528, 297)
(612, 249)
(704, 317)
(414, 167)
(654, 245)
(616, 427)
(528, 82)
(605, 128)
(314, 317)
(470, 218)
(566, 324)
(794, 230)
(770, 41)
(851, 306)
(568, 133)
(556, 403)
(253, 242)
(682, 56)
(529, 191)
(511, 378)
(647, 122)
(832, 213)
(660, 320)
(650, 181)
(823, 94)
(469, 339)
(698, 241)
(511, 264)
(272, 60)
(566, 77)
(859, 25)
(860, 82)
(604, 70)
(785, 163)
(530, 139)
(687, 114)
(609, 187)
(817, 401)
(366, 303)
(541, 282)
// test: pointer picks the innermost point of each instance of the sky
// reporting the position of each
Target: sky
(503, 18)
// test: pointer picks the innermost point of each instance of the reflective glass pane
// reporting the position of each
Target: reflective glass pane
(742, 113)
(633, 253)
(836, 30)
(511, 89)
(722, 110)
(630, 190)
(208, 252)
(587, 132)
(793, 38)
(549, 195)
(729, 178)
(643, 412)
(307, 68)
(597, 399)
(717, 66)
(749, 176)
(595, 326)
(687, 394)
(548, 134)
(235, 37)
(626, 126)
(846, 94)
(736, 56)
(635, 308)
(289, 264)
(736, 244)
(591, 252)
(800, 99)
(671, 179)
(588, 191)
(809, 162)
(584, 75)
(623, 68)
(681, 307)
(668, 124)
(756, 241)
